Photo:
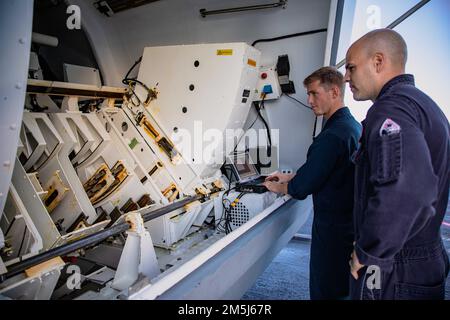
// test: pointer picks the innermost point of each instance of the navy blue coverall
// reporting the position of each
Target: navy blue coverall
(401, 195)
(328, 175)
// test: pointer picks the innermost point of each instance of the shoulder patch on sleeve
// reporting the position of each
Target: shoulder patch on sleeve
(389, 127)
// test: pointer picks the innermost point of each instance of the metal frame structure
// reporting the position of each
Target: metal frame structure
(16, 42)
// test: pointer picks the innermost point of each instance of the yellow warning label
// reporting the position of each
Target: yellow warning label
(251, 62)
(225, 52)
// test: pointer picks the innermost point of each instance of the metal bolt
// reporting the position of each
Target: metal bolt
(6, 163)
(18, 86)
(22, 40)
(13, 126)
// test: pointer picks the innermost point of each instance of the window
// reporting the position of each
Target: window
(426, 32)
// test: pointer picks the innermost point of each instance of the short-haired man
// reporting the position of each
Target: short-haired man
(328, 175)
(402, 177)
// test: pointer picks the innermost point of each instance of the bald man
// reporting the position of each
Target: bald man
(401, 179)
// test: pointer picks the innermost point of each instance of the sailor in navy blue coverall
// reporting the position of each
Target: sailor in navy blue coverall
(328, 175)
(402, 177)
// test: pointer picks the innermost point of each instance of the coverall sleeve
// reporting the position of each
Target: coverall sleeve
(321, 160)
(403, 185)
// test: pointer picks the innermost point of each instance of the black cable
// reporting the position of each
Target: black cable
(233, 173)
(223, 222)
(210, 223)
(254, 121)
(225, 218)
(257, 107)
(241, 195)
(298, 101)
(23, 239)
(250, 126)
(304, 105)
(10, 226)
(221, 219)
(228, 218)
(299, 34)
(129, 81)
(132, 67)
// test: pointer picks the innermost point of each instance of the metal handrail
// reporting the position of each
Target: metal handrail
(281, 3)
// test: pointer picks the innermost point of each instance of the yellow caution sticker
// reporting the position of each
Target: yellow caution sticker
(225, 52)
(251, 62)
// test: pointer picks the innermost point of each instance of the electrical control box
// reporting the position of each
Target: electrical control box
(268, 85)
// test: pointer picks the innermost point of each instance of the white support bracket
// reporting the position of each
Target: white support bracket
(138, 255)
(70, 104)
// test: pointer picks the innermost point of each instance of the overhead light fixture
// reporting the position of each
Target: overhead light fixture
(281, 3)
